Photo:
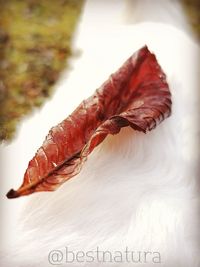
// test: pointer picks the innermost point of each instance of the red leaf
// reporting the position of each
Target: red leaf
(137, 95)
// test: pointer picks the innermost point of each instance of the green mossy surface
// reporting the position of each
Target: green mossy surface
(192, 9)
(35, 43)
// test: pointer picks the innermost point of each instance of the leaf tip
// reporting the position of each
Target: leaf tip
(12, 194)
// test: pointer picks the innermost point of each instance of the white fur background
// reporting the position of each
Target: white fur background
(137, 191)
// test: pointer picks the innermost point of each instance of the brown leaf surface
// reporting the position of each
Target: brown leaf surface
(137, 95)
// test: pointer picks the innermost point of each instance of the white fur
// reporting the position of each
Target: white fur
(137, 191)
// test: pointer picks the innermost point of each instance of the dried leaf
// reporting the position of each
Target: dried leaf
(137, 95)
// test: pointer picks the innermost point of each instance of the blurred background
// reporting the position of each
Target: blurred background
(36, 43)
(35, 37)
